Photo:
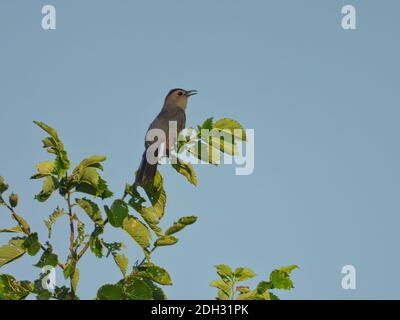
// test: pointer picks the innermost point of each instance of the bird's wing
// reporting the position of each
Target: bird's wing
(162, 122)
(180, 119)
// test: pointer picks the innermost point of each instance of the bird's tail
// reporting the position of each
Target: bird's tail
(146, 172)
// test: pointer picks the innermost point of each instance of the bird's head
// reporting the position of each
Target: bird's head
(179, 98)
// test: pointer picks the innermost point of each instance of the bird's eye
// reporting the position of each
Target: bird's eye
(180, 93)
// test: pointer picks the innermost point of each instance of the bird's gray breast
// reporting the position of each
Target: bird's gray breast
(162, 121)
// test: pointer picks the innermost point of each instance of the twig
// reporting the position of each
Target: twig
(71, 225)
(14, 214)
(84, 249)
(71, 236)
(144, 259)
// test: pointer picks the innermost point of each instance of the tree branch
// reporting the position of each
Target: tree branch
(71, 225)
(14, 215)
(71, 235)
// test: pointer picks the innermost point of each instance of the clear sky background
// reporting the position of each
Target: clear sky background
(324, 103)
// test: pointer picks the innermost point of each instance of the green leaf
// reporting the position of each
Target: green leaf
(185, 169)
(61, 163)
(11, 251)
(52, 219)
(122, 262)
(32, 244)
(101, 190)
(280, 278)
(224, 270)
(226, 287)
(148, 214)
(44, 169)
(44, 295)
(55, 146)
(223, 296)
(81, 237)
(50, 143)
(136, 289)
(289, 269)
(93, 161)
(232, 126)
(242, 289)
(137, 199)
(117, 213)
(265, 296)
(50, 184)
(61, 293)
(158, 293)
(218, 136)
(264, 286)
(11, 289)
(90, 176)
(113, 247)
(157, 196)
(251, 295)
(52, 132)
(273, 296)
(188, 220)
(207, 124)
(16, 229)
(3, 185)
(180, 224)
(154, 273)
(205, 153)
(242, 274)
(70, 267)
(137, 230)
(91, 209)
(22, 223)
(110, 292)
(165, 241)
(176, 227)
(48, 258)
(95, 244)
(223, 141)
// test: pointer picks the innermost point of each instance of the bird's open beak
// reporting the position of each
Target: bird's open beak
(191, 93)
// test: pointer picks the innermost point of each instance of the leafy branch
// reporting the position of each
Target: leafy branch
(137, 213)
(227, 289)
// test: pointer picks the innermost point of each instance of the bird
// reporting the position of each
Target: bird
(174, 109)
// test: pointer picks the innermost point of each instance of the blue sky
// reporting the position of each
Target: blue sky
(323, 102)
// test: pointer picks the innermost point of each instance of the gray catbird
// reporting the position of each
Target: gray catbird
(173, 110)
